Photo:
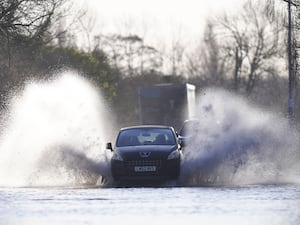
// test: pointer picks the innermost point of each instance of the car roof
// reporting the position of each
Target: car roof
(146, 126)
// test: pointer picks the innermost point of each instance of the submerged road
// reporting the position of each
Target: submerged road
(255, 205)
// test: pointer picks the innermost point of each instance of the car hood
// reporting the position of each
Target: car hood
(156, 151)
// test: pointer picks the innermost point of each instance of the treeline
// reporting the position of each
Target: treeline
(245, 53)
(30, 47)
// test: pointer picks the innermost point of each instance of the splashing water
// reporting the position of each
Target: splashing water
(237, 144)
(54, 135)
(55, 132)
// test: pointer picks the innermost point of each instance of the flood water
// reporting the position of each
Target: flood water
(241, 166)
(256, 204)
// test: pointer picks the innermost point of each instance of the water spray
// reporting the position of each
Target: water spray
(55, 135)
(237, 143)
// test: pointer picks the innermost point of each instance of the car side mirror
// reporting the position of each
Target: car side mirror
(109, 146)
(181, 142)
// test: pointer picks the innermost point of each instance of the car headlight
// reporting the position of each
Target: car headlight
(174, 155)
(117, 156)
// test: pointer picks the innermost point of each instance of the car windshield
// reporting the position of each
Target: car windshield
(146, 136)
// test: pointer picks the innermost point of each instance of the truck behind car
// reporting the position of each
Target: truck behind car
(166, 104)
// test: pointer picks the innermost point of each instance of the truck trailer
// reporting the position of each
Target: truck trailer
(166, 104)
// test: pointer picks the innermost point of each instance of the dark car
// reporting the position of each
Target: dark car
(145, 153)
(188, 131)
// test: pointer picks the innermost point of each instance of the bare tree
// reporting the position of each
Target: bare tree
(177, 54)
(130, 55)
(174, 55)
(87, 24)
(24, 26)
(207, 59)
(26, 20)
(31, 18)
(253, 38)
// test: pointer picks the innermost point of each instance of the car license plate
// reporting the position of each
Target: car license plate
(144, 168)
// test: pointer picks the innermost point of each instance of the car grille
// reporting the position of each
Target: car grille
(143, 163)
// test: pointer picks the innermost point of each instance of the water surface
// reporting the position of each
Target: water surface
(259, 204)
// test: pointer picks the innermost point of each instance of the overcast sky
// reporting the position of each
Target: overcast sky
(158, 21)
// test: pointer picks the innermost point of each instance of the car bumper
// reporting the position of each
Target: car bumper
(164, 170)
